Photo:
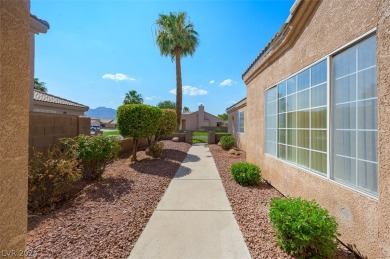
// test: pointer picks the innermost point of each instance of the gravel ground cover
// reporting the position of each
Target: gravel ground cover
(251, 206)
(106, 218)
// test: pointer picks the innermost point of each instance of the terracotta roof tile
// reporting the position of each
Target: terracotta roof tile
(49, 98)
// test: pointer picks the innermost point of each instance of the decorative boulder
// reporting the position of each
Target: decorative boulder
(234, 152)
(175, 139)
(219, 143)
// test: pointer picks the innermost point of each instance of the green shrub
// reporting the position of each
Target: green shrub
(51, 177)
(246, 173)
(167, 123)
(227, 142)
(95, 153)
(155, 149)
(303, 228)
(138, 121)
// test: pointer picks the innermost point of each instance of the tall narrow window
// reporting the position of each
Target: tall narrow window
(271, 121)
(355, 113)
(240, 122)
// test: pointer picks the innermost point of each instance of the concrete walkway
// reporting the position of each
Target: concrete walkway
(194, 218)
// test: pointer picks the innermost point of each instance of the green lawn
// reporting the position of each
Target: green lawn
(112, 133)
(199, 137)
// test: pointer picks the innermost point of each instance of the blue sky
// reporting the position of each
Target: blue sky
(96, 51)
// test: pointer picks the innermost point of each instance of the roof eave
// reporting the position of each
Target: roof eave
(38, 25)
(241, 103)
(284, 39)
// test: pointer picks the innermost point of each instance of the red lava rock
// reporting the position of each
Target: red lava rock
(106, 218)
(251, 206)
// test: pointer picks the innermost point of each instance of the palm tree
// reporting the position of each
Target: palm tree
(176, 37)
(133, 97)
(186, 109)
(41, 86)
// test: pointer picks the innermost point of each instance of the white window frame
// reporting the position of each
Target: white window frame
(239, 115)
(328, 175)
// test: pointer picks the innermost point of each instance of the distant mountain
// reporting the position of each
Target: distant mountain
(102, 113)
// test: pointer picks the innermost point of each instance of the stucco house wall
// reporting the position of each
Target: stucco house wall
(14, 114)
(364, 221)
(196, 120)
(232, 112)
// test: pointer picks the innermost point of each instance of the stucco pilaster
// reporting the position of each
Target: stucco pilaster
(14, 114)
(383, 66)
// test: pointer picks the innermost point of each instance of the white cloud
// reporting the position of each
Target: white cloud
(152, 97)
(232, 102)
(226, 82)
(118, 77)
(212, 82)
(190, 90)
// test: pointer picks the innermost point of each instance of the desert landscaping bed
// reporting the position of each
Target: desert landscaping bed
(250, 206)
(106, 218)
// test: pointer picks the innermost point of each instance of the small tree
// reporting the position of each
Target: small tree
(167, 123)
(138, 121)
(223, 116)
(186, 109)
(166, 105)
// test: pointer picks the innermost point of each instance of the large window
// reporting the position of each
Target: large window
(296, 118)
(240, 122)
(302, 124)
(354, 108)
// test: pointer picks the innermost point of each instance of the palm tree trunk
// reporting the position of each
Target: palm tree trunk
(179, 92)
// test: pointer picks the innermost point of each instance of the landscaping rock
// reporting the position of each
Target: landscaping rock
(234, 152)
(175, 139)
(106, 218)
(251, 206)
(219, 143)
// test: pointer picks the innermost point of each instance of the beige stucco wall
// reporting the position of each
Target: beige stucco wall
(45, 107)
(191, 121)
(199, 119)
(14, 109)
(211, 120)
(232, 127)
(383, 68)
(363, 221)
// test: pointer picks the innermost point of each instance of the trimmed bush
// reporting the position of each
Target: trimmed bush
(227, 142)
(95, 153)
(51, 177)
(167, 123)
(245, 173)
(155, 149)
(138, 121)
(303, 228)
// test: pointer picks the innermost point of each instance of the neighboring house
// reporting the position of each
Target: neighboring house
(236, 119)
(108, 123)
(199, 119)
(48, 103)
(317, 115)
(96, 122)
(51, 117)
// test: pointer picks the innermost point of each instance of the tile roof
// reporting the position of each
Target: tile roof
(240, 102)
(49, 98)
(276, 39)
